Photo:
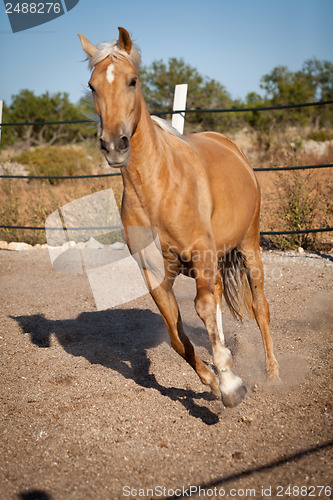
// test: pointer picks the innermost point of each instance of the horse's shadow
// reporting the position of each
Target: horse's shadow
(119, 339)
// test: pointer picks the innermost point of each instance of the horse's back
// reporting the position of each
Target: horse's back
(229, 156)
(222, 139)
(233, 185)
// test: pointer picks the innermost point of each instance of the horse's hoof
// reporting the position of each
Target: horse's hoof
(273, 375)
(234, 398)
(215, 388)
(216, 391)
(274, 378)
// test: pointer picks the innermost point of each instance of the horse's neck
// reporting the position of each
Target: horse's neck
(142, 175)
(145, 146)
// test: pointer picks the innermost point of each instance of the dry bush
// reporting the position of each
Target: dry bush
(297, 200)
(26, 203)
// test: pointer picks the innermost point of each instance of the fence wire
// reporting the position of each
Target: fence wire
(115, 174)
(171, 112)
(262, 233)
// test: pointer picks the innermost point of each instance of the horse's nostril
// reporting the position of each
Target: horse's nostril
(103, 145)
(123, 143)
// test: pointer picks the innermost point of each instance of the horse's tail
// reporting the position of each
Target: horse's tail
(236, 284)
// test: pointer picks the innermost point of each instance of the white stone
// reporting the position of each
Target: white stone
(69, 244)
(117, 245)
(319, 148)
(3, 245)
(94, 244)
(19, 246)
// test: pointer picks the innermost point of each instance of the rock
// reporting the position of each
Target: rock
(165, 443)
(3, 245)
(300, 250)
(318, 148)
(19, 246)
(117, 246)
(13, 168)
(69, 244)
(248, 419)
(93, 244)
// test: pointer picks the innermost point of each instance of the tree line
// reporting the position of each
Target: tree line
(314, 82)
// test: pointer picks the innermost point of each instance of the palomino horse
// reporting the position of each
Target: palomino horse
(202, 198)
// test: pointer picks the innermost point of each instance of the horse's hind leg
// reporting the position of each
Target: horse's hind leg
(255, 273)
(218, 292)
(166, 301)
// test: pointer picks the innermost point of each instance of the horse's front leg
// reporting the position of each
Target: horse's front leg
(165, 300)
(231, 386)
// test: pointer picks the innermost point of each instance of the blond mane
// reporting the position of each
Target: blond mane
(166, 126)
(113, 51)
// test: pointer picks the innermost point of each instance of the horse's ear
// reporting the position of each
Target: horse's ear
(125, 42)
(87, 46)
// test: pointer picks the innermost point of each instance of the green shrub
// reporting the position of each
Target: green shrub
(321, 135)
(55, 160)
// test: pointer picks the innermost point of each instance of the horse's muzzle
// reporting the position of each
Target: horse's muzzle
(116, 151)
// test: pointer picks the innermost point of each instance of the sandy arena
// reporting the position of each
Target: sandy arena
(97, 405)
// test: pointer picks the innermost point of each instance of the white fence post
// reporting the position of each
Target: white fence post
(179, 104)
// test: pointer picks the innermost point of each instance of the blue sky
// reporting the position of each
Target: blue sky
(235, 42)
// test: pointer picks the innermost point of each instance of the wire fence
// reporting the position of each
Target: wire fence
(112, 228)
(171, 112)
(114, 174)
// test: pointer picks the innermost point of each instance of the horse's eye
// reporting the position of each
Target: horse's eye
(91, 87)
(132, 82)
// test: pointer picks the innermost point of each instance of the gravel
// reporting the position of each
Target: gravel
(96, 404)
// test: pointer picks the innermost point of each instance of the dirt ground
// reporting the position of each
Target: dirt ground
(96, 404)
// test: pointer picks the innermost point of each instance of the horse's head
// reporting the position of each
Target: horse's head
(115, 87)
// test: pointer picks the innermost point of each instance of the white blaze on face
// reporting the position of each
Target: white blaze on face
(110, 73)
